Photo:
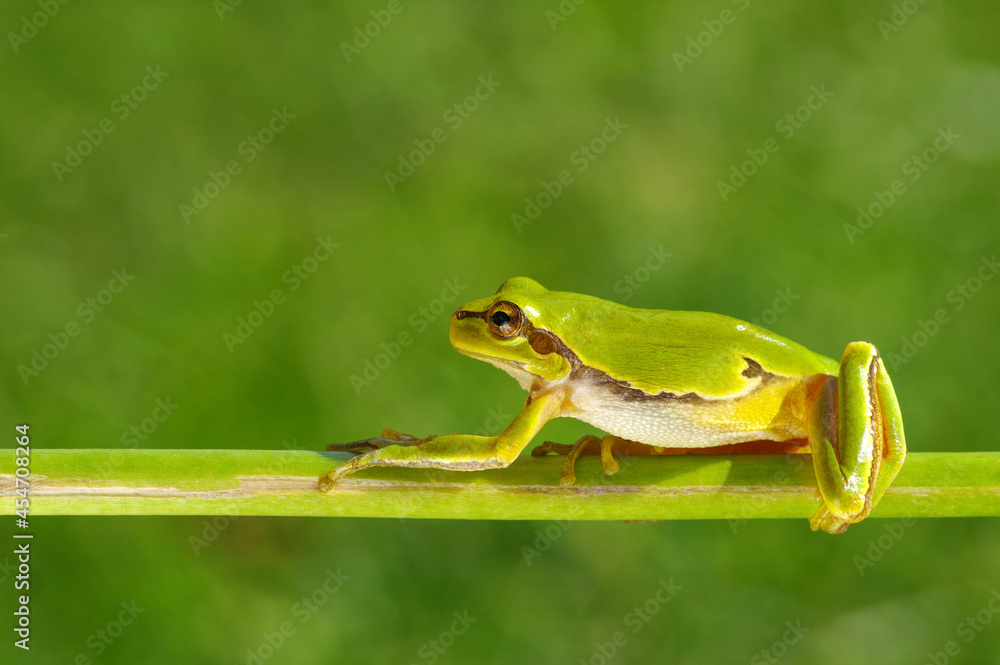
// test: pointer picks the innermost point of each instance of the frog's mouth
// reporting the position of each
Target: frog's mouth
(515, 368)
(493, 360)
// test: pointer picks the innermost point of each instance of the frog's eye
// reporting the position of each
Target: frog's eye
(505, 319)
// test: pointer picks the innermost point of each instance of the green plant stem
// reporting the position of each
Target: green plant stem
(264, 482)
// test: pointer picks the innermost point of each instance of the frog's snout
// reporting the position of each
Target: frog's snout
(454, 324)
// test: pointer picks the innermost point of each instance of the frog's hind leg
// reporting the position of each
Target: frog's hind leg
(857, 436)
(587, 445)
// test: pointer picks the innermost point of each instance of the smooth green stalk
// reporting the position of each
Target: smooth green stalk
(266, 482)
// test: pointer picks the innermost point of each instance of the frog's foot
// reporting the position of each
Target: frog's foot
(572, 453)
(856, 432)
(390, 437)
(825, 520)
(590, 445)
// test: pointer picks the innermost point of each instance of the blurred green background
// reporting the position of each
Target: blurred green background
(202, 81)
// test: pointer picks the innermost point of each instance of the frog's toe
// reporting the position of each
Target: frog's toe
(568, 476)
(607, 459)
(826, 520)
(587, 444)
(328, 480)
(390, 437)
(401, 438)
(364, 446)
(551, 447)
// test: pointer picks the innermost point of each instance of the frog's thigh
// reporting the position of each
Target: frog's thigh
(856, 434)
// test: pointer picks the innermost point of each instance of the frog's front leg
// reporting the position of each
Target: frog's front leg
(856, 434)
(459, 452)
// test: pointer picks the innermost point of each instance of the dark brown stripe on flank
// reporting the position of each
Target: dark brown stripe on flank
(753, 369)
(615, 386)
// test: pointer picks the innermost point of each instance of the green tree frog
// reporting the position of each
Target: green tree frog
(658, 381)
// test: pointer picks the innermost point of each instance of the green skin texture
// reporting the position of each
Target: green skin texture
(852, 417)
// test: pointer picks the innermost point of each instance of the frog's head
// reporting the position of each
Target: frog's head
(502, 330)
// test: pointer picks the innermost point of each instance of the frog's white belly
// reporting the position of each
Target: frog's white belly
(679, 423)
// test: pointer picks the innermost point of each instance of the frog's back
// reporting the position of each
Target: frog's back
(711, 355)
